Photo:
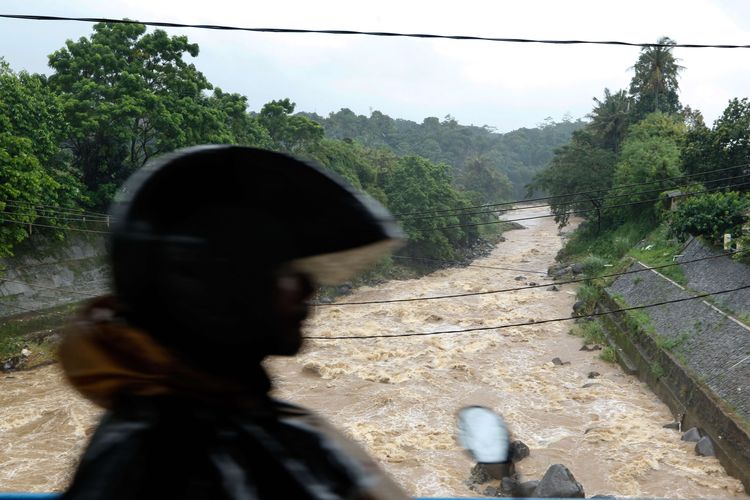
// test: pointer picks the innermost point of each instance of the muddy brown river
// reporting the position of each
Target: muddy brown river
(398, 397)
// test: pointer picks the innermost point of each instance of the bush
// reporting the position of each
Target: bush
(608, 354)
(710, 215)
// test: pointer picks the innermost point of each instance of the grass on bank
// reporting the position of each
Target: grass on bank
(33, 331)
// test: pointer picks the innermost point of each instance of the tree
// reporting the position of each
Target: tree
(710, 215)
(578, 176)
(128, 96)
(650, 154)
(34, 180)
(415, 186)
(482, 177)
(610, 119)
(289, 132)
(654, 85)
(244, 129)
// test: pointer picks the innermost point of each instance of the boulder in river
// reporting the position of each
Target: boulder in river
(509, 485)
(484, 473)
(558, 482)
(525, 489)
(592, 347)
(692, 435)
(519, 278)
(558, 270)
(518, 451)
(559, 362)
(594, 374)
(577, 268)
(553, 288)
(578, 308)
(705, 447)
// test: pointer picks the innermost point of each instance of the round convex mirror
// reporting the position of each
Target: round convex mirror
(483, 434)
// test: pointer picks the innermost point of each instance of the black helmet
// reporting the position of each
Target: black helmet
(199, 233)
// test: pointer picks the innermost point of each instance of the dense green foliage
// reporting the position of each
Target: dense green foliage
(125, 94)
(511, 159)
(33, 173)
(640, 144)
(710, 215)
(654, 85)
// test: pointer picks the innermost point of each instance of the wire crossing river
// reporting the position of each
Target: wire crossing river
(398, 397)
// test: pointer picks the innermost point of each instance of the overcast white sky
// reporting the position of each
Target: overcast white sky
(506, 86)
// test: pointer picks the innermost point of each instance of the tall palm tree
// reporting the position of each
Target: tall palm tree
(610, 118)
(654, 84)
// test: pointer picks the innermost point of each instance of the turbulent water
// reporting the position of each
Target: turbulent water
(398, 397)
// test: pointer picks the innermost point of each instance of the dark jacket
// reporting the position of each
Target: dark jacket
(172, 431)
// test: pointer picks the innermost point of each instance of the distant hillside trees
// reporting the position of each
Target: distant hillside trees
(514, 157)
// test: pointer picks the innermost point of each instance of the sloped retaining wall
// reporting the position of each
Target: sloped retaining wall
(47, 273)
(696, 359)
(716, 274)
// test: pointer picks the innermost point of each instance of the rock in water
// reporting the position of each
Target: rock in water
(518, 451)
(509, 485)
(484, 473)
(705, 447)
(578, 308)
(577, 268)
(692, 435)
(558, 482)
(526, 489)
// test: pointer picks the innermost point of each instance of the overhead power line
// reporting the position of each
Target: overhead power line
(99, 217)
(525, 323)
(578, 212)
(389, 34)
(577, 193)
(572, 212)
(465, 264)
(525, 287)
(590, 200)
(42, 287)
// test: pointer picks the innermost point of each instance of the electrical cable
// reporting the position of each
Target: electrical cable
(578, 212)
(97, 217)
(390, 34)
(62, 228)
(57, 217)
(527, 323)
(529, 200)
(590, 200)
(525, 287)
(42, 287)
(54, 209)
(574, 212)
(459, 263)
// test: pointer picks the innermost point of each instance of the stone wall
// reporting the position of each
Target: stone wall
(696, 358)
(47, 273)
(713, 275)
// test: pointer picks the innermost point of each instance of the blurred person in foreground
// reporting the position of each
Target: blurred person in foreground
(215, 251)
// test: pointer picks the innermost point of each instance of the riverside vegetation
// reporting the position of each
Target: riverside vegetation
(123, 94)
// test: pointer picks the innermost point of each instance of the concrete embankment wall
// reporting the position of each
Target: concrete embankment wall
(695, 357)
(46, 273)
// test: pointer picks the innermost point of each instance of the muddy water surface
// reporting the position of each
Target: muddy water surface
(398, 397)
